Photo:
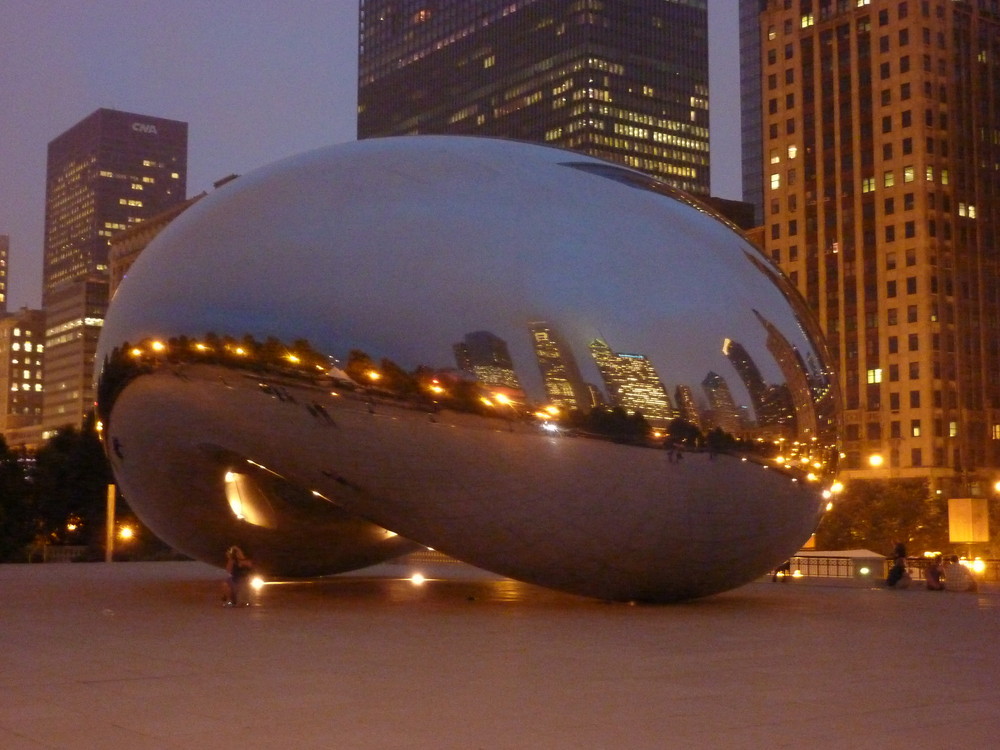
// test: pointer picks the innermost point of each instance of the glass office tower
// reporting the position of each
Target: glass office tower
(625, 80)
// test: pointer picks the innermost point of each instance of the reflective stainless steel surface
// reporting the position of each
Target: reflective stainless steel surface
(401, 339)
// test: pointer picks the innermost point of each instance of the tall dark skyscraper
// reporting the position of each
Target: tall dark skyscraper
(751, 135)
(880, 154)
(624, 80)
(107, 173)
(486, 356)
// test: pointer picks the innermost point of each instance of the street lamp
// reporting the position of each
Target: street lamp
(875, 460)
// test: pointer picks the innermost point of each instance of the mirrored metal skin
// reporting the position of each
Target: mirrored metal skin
(475, 345)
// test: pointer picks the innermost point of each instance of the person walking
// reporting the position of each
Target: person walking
(239, 567)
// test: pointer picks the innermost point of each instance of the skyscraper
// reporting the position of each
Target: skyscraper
(625, 80)
(108, 172)
(751, 133)
(633, 383)
(486, 356)
(880, 155)
(723, 411)
(564, 386)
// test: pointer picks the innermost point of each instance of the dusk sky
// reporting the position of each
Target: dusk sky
(257, 80)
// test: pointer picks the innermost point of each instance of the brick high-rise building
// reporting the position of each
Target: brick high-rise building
(881, 155)
(625, 80)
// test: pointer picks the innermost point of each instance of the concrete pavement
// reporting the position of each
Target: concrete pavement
(143, 655)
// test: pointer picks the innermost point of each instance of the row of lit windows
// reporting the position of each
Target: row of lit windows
(869, 184)
(28, 346)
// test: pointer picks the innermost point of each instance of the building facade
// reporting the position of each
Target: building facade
(564, 385)
(625, 81)
(22, 346)
(107, 173)
(74, 317)
(881, 155)
(4, 270)
(633, 383)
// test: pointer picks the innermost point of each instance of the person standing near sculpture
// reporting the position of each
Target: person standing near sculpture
(239, 567)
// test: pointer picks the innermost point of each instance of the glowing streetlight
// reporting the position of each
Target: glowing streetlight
(157, 346)
(126, 533)
(875, 460)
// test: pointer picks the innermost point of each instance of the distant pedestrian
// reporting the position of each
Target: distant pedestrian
(783, 571)
(898, 576)
(239, 567)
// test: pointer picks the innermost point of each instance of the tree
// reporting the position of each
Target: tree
(16, 527)
(876, 513)
(70, 487)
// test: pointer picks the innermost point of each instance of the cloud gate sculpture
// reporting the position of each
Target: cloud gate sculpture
(475, 345)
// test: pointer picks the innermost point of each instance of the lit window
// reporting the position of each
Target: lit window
(875, 375)
(775, 181)
(953, 429)
(792, 151)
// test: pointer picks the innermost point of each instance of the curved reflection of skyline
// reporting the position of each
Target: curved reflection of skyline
(632, 381)
(648, 273)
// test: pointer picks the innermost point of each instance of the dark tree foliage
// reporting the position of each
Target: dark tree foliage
(70, 487)
(16, 517)
(720, 441)
(876, 513)
(614, 423)
(682, 432)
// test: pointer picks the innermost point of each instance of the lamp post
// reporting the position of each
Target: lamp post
(109, 526)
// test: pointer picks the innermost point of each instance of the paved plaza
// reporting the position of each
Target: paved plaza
(143, 655)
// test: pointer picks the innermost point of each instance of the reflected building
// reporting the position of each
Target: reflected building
(564, 386)
(486, 356)
(632, 383)
(626, 81)
(805, 389)
(722, 409)
(687, 407)
(772, 405)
